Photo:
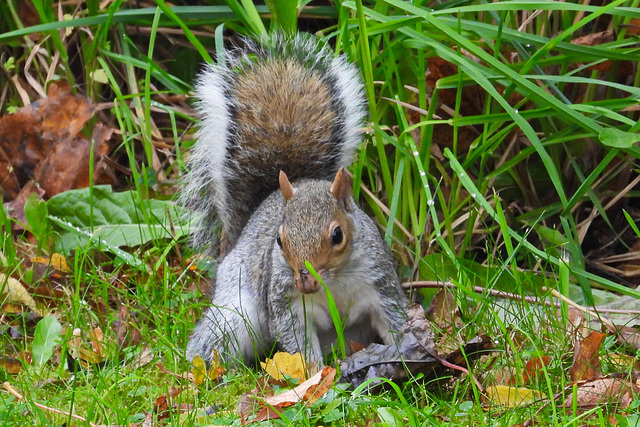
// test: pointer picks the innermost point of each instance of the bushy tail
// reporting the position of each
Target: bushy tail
(279, 103)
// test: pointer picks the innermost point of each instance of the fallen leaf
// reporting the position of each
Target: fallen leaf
(199, 370)
(13, 292)
(185, 376)
(285, 365)
(471, 103)
(164, 404)
(586, 363)
(11, 365)
(634, 26)
(629, 336)
(249, 403)
(42, 142)
(595, 39)
(126, 328)
(609, 390)
(145, 357)
(531, 370)
(80, 356)
(309, 391)
(415, 353)
(510, 397)
(56, 261)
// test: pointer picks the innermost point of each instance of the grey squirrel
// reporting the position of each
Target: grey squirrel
(279, 122)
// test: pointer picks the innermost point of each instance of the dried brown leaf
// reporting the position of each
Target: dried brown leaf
(415, 353)
(531, 370)
(308, 391)
(11, 365)
(586, 362)
(443, 310)
(164, 404)
(608, 390)
(42, 141)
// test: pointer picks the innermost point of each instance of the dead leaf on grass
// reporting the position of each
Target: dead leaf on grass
(629, 336)
(309, 391)
(80, 356)
(586, 362)
(126, 328)
(10, 365)
(285, 365)
(266, 406)
(185, 376)
(42, 142)
(443, 310)
(532, 369)
(145, 357)
(608, 390)
(511, 397)
(56, 261)
(200, 371)
(165, 404)
(415, 353)
(14, 292)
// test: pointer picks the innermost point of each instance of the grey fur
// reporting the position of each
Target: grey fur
(254, 295)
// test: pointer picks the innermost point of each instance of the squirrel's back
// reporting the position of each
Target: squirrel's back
(279, 103)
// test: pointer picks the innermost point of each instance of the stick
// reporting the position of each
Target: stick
(18, 396)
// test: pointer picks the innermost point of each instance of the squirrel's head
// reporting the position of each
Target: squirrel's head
(317, 227)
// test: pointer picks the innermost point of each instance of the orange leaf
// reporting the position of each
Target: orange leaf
(586, 363)
(309, 391)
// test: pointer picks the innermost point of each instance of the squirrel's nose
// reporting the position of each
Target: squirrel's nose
(306, 283)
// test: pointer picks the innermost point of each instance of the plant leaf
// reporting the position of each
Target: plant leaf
(44, 339)
(618, 138)
(116, 219)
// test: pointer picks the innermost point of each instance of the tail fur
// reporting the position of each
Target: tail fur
(279, 103)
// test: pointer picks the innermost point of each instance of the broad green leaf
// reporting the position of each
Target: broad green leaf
(35, 211)
(618, 138)
(114, 219)
(390, 417)
(44, 339)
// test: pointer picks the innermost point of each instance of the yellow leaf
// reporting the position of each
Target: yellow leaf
(199, 370)
(216, 371)
(512, 396)
(291, 365)
(57, 261)
(13, 292)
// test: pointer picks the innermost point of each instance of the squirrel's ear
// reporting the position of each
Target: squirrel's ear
(285, 186)
(342, 189)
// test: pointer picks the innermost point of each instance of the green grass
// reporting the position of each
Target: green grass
(510, 187)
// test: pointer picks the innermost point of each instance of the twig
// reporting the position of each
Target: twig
(433, 284)
(480, 290)
(18, 396)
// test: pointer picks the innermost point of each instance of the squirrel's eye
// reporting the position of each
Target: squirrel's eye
(279, 240)
(336, 236)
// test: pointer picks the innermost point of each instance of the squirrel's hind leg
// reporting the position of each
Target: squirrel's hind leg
(234, 330)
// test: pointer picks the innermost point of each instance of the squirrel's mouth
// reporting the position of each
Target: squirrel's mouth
(306, 282)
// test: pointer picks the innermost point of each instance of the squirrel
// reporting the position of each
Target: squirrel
(280, 120)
